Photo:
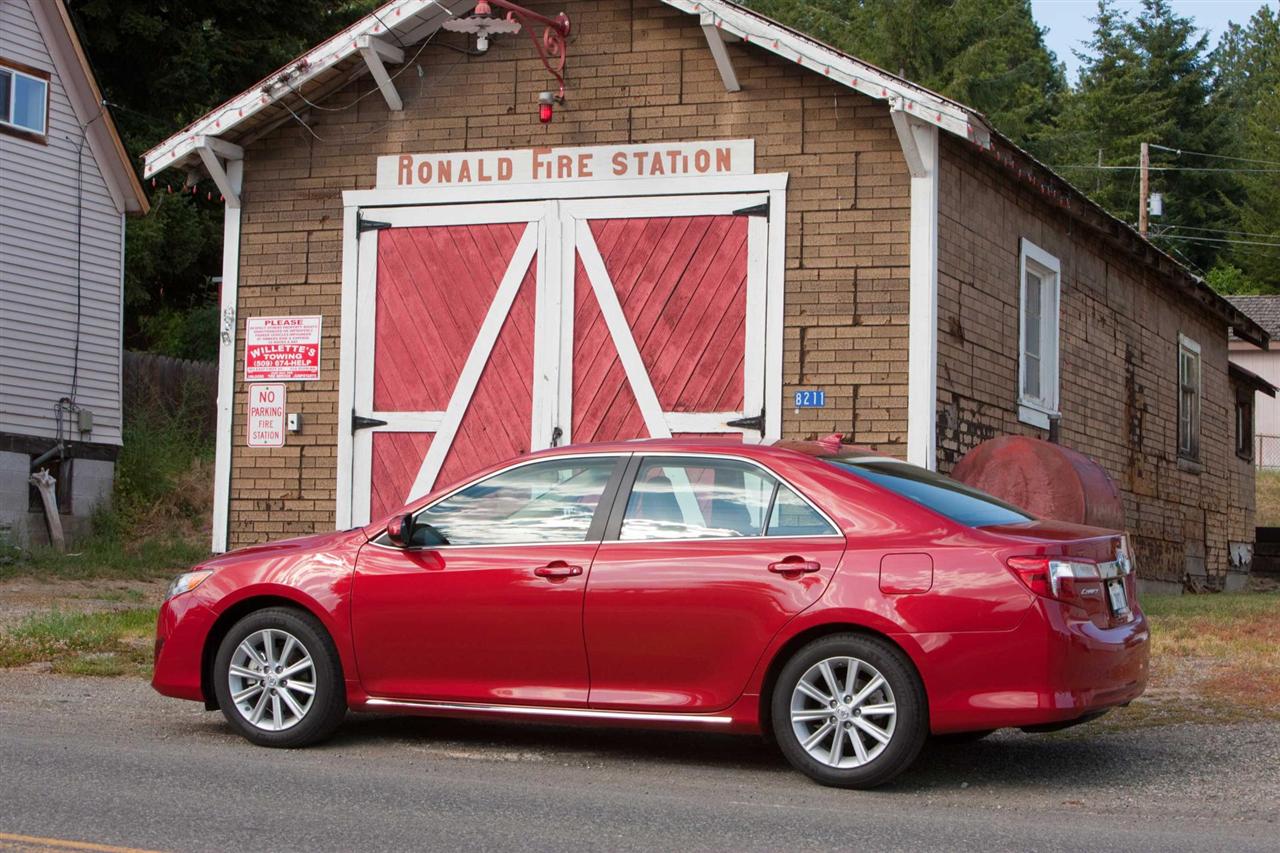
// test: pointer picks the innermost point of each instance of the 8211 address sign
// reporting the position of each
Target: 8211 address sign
(813, 398)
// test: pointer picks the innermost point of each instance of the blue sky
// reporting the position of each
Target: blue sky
(1068, 20)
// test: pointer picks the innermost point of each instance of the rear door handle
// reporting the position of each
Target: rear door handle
(558, 569)
(794, 565)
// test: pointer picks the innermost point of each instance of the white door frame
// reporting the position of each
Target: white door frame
(406, 207)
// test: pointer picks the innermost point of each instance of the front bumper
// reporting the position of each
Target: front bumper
(181, 629)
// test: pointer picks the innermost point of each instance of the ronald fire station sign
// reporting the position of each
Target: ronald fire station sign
(280, 349)
(555, 165)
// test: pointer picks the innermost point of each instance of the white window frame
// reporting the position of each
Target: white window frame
(1190, 453)
(14, 74)
(1038, 411)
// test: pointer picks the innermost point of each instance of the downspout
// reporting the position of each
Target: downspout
(226, 354)
(919, 141)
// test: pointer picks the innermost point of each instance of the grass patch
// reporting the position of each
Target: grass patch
(104, 643)
(1213, 658)
(1268, 495)
(108, 557)
(157, 522)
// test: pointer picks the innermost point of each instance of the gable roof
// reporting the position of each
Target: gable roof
(86, 99)
(336, 61)
(1264, 310)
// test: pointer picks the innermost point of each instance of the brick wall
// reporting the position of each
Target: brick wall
(1119, 338)
(638, 72)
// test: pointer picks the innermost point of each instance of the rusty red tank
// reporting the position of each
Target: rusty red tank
(1046, 479)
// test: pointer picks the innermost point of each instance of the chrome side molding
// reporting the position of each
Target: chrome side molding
(543, 711)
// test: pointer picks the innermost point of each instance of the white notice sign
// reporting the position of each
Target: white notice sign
(555, 165)
(266, 416)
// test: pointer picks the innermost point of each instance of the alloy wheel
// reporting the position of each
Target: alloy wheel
(272, 679)
(843, 712)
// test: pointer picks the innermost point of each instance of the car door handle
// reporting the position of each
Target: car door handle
(794, 565)
(557, 569)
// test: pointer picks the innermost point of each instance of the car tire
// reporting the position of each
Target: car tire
(290, 659)
(885, 710)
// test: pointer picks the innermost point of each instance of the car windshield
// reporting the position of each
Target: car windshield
(958, 502)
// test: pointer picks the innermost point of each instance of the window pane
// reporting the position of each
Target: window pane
(956, 501)
(1031, 377)
(28, 103)
(6, 80)
(1031, 342)
(551, 501)
(793, 517)
(703, 499)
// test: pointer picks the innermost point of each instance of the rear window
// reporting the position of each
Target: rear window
(958, 502)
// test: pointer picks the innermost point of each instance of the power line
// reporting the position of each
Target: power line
(1179, 152)
(1096, 167)
(1217, 240)
(1224, 231)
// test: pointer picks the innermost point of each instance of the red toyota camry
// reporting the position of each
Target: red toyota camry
(848, 604)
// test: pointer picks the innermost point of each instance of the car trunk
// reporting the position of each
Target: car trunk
(1087, 568)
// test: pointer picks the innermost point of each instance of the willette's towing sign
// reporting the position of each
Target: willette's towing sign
(282, 349)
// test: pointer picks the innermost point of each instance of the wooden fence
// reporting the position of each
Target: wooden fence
(172, 386)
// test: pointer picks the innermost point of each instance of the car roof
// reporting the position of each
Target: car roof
(828, 448)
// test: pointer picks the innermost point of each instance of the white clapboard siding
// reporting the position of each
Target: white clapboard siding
(38, 193)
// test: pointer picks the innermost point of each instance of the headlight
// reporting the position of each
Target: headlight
(187, 582)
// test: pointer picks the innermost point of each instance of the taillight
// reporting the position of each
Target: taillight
(1053, 578)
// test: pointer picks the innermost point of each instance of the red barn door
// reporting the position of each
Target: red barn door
(484, 331)
(668, 321)
(444, 362)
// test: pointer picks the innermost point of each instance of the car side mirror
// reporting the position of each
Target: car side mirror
(405, 533)
(400, 530)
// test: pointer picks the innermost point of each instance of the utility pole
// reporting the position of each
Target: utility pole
(1144, 188)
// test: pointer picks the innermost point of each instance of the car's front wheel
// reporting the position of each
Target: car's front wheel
(849, 711)
(278, 679)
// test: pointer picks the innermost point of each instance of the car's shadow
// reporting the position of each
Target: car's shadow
(1004, 760)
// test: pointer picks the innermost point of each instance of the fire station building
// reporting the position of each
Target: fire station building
(454, 234)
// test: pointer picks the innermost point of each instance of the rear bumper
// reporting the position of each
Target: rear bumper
(1054, 667)
(181, 628)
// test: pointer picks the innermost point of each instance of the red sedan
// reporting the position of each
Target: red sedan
(847, 604)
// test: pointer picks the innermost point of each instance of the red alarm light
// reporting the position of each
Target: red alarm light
(546, 107)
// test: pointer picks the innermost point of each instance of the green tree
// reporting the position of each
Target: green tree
(988, 54)
(162, 65)
(1247, 95)
(1145, 79)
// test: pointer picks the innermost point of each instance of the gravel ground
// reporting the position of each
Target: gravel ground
(107, 760)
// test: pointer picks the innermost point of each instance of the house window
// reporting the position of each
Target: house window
(1244, 428)
(1188, 398)
(1040, 275)
(24, 100)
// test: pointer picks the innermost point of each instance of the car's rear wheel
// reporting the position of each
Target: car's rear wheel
(849, 711)
(278, 679)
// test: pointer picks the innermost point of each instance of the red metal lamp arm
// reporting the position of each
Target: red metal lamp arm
(552, 47)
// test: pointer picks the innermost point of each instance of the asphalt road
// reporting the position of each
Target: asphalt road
(106, 761)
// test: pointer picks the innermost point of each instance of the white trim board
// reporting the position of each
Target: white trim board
(228, 322)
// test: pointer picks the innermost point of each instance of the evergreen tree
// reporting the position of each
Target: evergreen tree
(1145, 79)
(1247, 96)
(987, 54)
(161, 66)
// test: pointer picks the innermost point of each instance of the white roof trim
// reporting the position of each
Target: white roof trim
(847, 70)
(728, 17)
(396, 15)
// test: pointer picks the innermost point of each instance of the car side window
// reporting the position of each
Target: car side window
(792, 516)
(552, 501)
(675, 498)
